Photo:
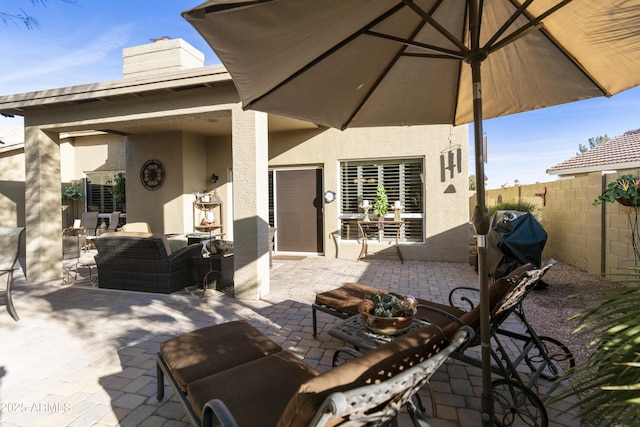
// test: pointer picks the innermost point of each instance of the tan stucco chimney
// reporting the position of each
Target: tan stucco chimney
(161, 56)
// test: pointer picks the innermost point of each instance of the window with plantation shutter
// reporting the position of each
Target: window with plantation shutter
(401, 179)
(98, 192)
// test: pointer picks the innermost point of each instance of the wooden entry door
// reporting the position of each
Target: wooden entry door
(298, 210)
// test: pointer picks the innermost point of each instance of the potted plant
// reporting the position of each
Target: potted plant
(381, 204)
(624, 190)
(73, 194)
(386, 313)
(119, 189)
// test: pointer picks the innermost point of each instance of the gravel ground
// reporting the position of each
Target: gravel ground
(549, 309)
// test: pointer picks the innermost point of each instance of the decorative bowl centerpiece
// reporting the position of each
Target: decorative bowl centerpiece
(387, 314)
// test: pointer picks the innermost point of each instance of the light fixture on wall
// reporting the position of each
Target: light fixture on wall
(329, 196)
(214, 178)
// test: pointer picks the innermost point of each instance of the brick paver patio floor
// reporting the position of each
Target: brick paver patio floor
(82, 356)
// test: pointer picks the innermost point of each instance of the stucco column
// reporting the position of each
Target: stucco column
(250, 203)
(43, 203)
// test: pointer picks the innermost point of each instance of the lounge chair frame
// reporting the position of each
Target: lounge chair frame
(371, 405)
(10, 239)
(376, 403)
(546, 357)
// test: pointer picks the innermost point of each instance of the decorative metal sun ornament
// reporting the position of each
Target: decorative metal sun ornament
(152, 174)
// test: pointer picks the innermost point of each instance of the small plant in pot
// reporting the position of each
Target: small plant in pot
(74, 195)
(624, 190)
(381, 204)
(386, 313)
(119, 189)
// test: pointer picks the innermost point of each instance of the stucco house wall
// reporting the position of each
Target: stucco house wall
(190, 160)
(446, 222)
(12, 189)
(191, 121)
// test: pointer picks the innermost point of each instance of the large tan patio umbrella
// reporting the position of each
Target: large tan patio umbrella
(355, 63)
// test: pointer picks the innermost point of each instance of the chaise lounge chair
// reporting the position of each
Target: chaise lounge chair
(232, 375)
(545, 357)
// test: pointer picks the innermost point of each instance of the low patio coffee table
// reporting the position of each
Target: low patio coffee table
(354, 332)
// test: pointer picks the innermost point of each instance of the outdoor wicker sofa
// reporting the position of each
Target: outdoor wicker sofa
(143, 262)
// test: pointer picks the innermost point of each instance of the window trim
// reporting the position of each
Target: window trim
(421, 216)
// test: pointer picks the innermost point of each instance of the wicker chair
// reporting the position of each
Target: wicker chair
(143, 262)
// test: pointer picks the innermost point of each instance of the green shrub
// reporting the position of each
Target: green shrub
(72, 193)
(520, 206)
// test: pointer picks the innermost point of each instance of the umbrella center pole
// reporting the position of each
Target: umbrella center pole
(486, 400)
(481, 223)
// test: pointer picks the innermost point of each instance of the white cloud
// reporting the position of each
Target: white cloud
(91, 53)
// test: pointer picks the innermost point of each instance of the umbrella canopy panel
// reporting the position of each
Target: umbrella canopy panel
(362, 63)
(347, 63)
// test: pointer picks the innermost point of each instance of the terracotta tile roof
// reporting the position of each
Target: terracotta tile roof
(618, 153)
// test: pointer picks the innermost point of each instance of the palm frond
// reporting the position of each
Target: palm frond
(608, 383)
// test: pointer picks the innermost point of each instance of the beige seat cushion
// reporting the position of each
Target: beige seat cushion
(372, 367)
(141, 227)
(257, 392)
(126, 234)
(214, 349)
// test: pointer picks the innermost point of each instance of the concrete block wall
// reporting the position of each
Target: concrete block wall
(595, 239)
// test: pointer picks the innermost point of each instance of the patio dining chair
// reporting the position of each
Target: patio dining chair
(89, 222)
(10, 240)
(75, 253)
(113, 221)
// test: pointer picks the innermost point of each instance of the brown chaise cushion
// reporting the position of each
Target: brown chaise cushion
(213, 349)
(346, 298)
(497, 290)
(257, 392)
(372, 367)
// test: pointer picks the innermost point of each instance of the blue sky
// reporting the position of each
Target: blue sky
(82, 43)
